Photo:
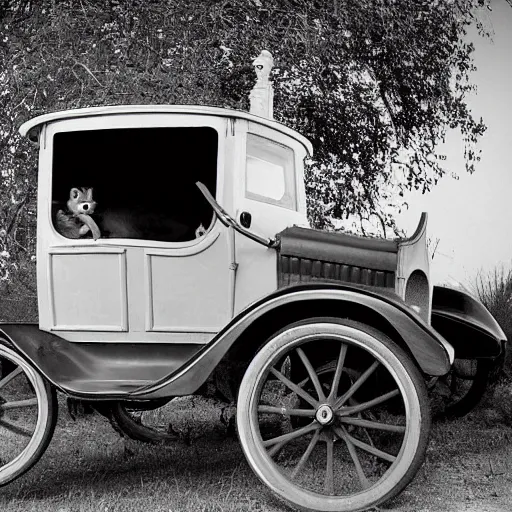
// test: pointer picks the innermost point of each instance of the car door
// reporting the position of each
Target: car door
(133, 288)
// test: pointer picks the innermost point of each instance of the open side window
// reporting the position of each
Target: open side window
(143, 180)
(270, 172)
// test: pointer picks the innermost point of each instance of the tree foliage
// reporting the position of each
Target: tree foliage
(374, 84)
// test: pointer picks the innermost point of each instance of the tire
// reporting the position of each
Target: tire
(370, 454)
(467, 381)
(145, 422)
(28, 413)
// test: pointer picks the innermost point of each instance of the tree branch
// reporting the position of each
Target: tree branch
(90, 72)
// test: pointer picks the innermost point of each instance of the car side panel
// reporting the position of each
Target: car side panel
(433, 354)
(156, 370)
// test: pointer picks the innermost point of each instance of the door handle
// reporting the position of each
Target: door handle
(245, 219)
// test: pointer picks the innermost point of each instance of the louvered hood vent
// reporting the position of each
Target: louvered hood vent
(307, 254)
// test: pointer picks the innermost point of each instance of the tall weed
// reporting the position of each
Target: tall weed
(494, 289)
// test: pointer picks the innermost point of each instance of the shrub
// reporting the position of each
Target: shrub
(18, 295)
(494, 289)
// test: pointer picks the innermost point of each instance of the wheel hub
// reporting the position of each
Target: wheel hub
(324, 415)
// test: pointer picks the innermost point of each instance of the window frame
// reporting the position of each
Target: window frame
(130, 121)
(289, 200)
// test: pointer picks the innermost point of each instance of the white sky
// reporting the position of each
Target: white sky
(472, 217)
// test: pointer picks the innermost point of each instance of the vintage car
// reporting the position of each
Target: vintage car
(204, 269)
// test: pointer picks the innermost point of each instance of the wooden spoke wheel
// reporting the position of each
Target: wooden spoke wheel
(325, 373)
(28, 412)
(359, 441)
(467, 381)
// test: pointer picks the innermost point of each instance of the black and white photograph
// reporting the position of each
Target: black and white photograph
(255, 255)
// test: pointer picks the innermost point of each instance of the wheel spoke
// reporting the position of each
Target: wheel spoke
(11, 376)
(329, 470)
(30, 402)
(269, 409)
(292, 435)
(338, 372)
(14, 428)
(355, 458)
(306, 454)
(366, 447)
(357, 384)
(303, 394)
(276, 448)
(312, 374)
(360, 422)
(453, 384)
(347, 411)
(352, 401)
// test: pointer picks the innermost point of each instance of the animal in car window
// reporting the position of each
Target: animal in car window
(77, 222)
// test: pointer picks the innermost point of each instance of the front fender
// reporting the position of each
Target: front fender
(433, 354)
(466, 324)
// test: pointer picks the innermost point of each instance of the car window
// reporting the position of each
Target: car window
(136, 183)
(270, 172)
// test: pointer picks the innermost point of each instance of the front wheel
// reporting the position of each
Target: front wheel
(360, 438)
(28, 412)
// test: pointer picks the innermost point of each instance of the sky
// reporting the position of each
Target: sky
(472, 217)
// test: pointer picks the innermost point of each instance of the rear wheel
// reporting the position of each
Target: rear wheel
(347, 436)
(28, 412)
(148, 422)
(467, 381)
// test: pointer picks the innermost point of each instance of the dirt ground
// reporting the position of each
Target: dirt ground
(468, 468)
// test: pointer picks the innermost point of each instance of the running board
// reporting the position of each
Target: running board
(96, 370)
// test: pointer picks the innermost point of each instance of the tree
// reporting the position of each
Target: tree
(374, 84)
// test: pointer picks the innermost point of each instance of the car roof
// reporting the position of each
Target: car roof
(29, 128)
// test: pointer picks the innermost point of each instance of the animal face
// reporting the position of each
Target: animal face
(81, 201)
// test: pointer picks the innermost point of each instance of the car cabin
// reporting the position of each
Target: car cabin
(163, 268)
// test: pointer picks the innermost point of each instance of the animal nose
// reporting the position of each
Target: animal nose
(85, 207)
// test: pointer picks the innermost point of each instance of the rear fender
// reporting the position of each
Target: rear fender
(432, 353)
(466, 324)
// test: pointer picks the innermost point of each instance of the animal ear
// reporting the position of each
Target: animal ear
(74, 193)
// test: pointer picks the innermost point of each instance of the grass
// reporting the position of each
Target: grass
(89, 468)
(18, 296)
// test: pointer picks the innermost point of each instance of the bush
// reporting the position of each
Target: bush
(18, 295)
(494, 289)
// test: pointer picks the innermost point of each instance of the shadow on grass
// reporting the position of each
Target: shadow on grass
(87, 458)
